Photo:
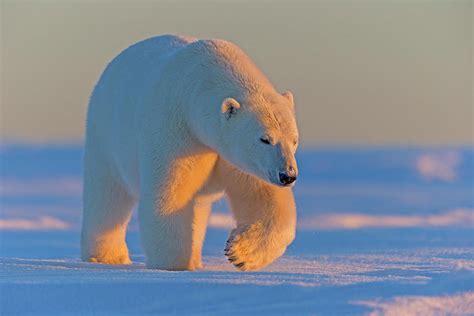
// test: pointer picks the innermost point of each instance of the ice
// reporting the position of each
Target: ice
(381, 231)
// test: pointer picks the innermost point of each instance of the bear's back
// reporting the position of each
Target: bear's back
(113, 113)
(158, 47)
(138, 60)
(129, 78)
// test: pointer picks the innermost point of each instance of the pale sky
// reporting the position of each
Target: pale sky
(362, 72)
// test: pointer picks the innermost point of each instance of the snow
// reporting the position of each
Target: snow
(455, 217)
(42, 223)
(460, 304)
(441, 165)
(381, 231)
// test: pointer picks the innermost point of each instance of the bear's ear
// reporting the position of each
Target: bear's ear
(289, 96)
(229, 107)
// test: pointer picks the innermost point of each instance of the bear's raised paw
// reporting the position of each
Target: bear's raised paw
(252, 247)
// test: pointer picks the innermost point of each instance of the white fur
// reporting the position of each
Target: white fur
(172, 124)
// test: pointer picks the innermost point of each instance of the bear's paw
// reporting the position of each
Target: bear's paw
(111, 260)
(252, 247)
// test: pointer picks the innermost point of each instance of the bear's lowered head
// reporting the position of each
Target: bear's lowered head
(247, 121)
(259, 135)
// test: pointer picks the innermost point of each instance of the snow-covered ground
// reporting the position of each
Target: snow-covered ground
(381, 231)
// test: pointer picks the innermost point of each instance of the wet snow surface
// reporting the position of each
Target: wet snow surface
(385, 231)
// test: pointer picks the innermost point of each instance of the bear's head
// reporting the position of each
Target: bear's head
(259, 135)
(246, 120)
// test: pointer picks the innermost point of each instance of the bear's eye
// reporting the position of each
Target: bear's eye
(265, 140)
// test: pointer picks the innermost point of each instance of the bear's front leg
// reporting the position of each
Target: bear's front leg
(265, 216)
(169, 240)
(172, 217)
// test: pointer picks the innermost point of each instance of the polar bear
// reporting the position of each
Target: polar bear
(173, 124)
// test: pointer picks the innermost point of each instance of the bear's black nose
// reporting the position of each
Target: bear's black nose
(285, 179)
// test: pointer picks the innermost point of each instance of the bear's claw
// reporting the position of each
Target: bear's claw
(233, 259)
(240, 265)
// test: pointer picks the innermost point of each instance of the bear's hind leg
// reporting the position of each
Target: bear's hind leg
(201, 210)
(107, 210)
(200, 217)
